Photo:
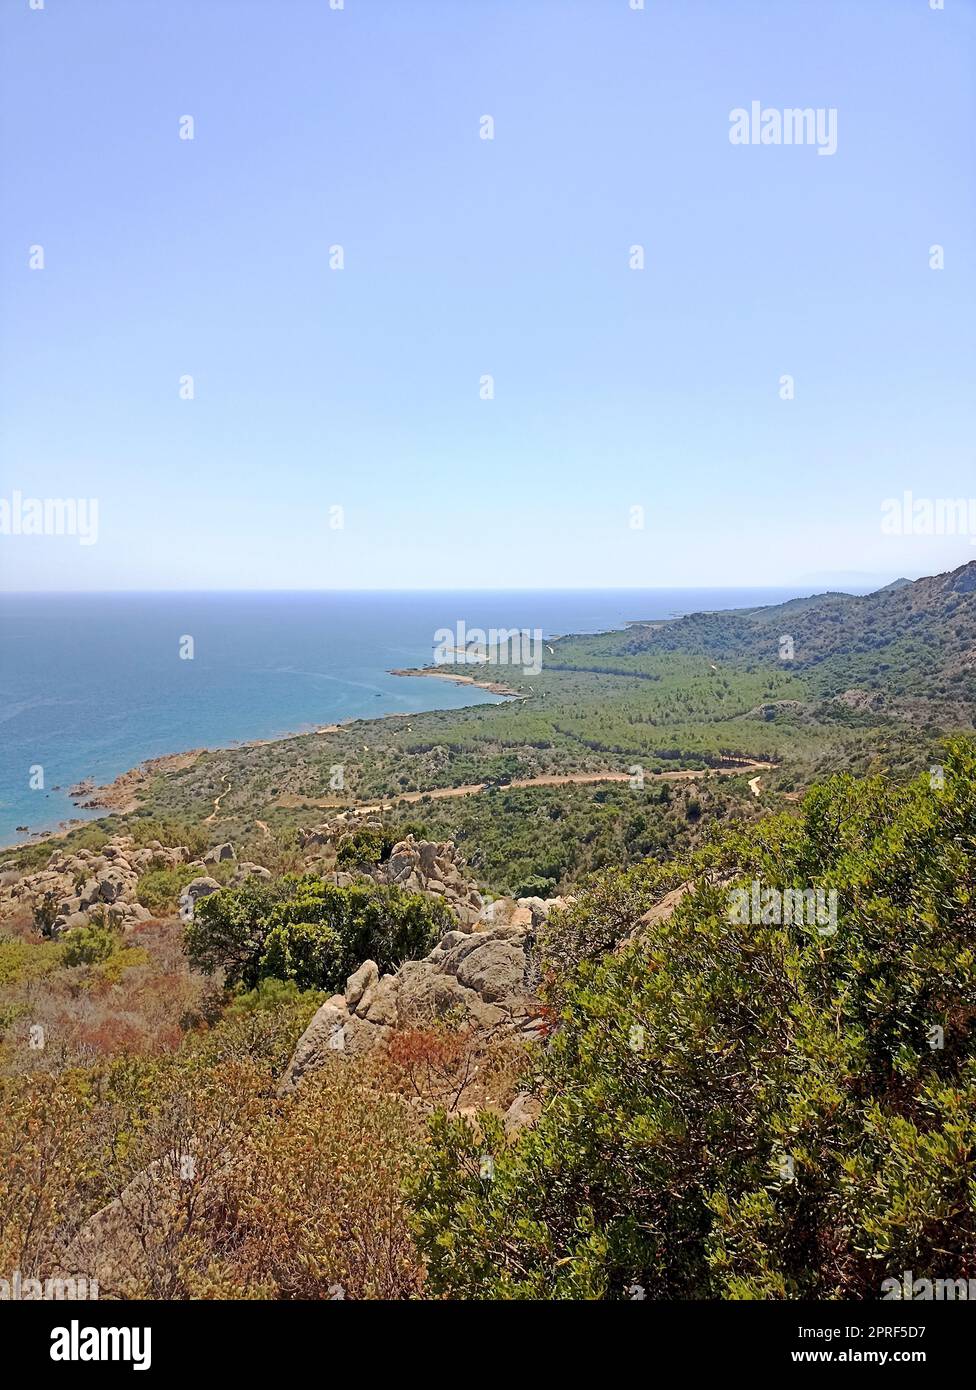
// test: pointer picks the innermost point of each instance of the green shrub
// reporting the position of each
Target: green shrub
(89, 945)
(364, 848)
(228, 928)
(746, 1110)
(272, 993)
(23, 961)
(159, 889)
(307, 953)
(311, 932)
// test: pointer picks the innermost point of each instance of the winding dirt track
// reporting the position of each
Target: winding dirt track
(563, 779)
(554, 780)
(217, 800)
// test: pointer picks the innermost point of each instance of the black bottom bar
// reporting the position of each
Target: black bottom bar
(731, 1337)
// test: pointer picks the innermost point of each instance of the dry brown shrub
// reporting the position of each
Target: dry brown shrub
(446, 1066)
(138, 1002)
(312, 1206)
(45, 1181)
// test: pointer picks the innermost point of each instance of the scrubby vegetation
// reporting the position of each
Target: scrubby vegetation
(310, 932)
(746, 1110)
(366, 847)
(159, 888)
(542, 841)
(730, 1109)
(730, 1106)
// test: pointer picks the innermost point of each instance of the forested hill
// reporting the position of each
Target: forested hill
(916, 639)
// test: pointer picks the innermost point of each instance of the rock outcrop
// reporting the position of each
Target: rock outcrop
(85, 885)
(219, 853)
(245, 870)
(483, 976)
(523, 1112)
(428, 866)
(418, 866)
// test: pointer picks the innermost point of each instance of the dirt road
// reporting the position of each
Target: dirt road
(553, 780)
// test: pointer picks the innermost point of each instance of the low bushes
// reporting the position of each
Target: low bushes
(310, 932)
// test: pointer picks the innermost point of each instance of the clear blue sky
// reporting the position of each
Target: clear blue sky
(360, 388)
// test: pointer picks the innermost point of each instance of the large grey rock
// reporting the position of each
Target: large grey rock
(360, 981)
(219, 853)
(246, 870)
(494, 969)
(332, 1033)
(128, 914)
(381, 1006)
(112, 885)
(524, 1110)
(477, 977)
(499, 912)
(193, 892)
(538, 910)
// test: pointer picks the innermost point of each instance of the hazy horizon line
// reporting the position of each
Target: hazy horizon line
(881, 580)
